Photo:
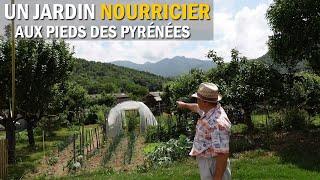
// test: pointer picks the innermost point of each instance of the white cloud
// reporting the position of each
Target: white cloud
(246, 30)
(137, 51)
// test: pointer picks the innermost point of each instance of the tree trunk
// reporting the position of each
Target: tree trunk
(11, 138)
(248, 121)
(30, 133)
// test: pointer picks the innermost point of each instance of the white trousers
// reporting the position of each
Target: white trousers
(207, 166)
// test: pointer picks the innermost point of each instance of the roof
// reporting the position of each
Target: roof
(121, 95)
(156, 94)
(157, 99)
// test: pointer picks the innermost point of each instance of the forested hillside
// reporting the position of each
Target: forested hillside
(97, 77)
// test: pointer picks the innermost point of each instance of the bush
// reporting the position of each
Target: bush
(92, 118)
(239, 129)
(296, 119)
(96, 115)
(275, 121)
(132, 120)
(240, 143)
(49, 124)
(151, 134)
(164, 131)
(166, 153)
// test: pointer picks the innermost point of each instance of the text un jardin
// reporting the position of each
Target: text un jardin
(117, 12)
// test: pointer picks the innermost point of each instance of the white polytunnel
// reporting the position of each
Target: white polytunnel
(117, 116)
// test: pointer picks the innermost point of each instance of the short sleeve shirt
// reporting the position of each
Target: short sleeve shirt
(212, 133)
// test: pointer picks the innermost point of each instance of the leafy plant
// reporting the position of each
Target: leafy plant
(170, 151)
(52, 160)
(296, 119)
(129, 153)
(112, 147)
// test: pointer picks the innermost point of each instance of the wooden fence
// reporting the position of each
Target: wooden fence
(3, 159)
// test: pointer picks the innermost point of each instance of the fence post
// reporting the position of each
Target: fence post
(74, 147)
(95, 130)
(44, 152)
(92, 142)
(86, 144)
(83, 140)
(80, 141)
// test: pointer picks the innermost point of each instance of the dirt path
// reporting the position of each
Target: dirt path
(138, 156)
(60, 168)
(117, 159)
(94, 162)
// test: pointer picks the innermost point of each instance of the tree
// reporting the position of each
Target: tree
(296, 33)
(75, 100)
(182, 87)
(246, 84)
(40, 65)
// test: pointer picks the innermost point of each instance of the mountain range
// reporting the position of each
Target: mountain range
(169, 67)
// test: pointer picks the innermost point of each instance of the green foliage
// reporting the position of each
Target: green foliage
(150, 147)
(73, 166)
(248, 165)
(76, 97)
(102, 99)
(170, 151)
(295, 38)
(296, 119)
(52, 160)
(151, 134)
(112, 147)
(40, 65)
(240, 143)
(311, 85)
(130, 149)
(164, 131)
(316, 120)
(239, 129)
(132, 120)
(96, 115)
(49, 124)
(98, 78)
(244, 84)
(276, 121)
(182, 87)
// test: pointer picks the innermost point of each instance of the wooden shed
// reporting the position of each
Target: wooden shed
(154, 101)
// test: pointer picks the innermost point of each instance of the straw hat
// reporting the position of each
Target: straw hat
(208, 92)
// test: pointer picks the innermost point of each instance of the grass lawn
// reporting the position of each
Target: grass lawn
(256, 164)
(28, 158)
(294, 155)
(2, 134)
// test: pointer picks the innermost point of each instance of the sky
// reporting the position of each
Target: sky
(239, 24)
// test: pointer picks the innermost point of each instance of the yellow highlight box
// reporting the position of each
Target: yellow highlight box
(192, 11)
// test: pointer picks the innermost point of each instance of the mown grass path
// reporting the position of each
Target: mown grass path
(247, 165)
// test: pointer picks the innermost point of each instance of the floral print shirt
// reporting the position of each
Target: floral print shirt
(212, 133)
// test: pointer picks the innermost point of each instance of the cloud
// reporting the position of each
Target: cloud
(136, 51)
(245, 29)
